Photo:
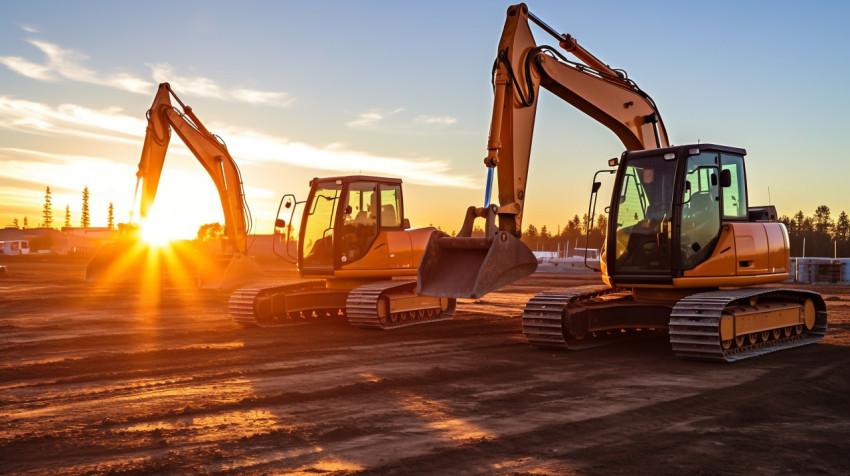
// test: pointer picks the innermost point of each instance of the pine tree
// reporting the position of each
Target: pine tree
(602, 223)
(15, 223)
(26, 223)
(84, 221)
(798, 220)
(48, 210)
(823, 222)
(585, 223)
(67, 216)
(842, 227)
(111, 217)
(788, 222)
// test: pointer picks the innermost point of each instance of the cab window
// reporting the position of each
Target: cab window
(360, 224)
(734, 196)
(390, 205)
(700, 208)
(319, 230)
(642, 216)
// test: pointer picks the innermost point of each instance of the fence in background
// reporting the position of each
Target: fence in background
(820, 270)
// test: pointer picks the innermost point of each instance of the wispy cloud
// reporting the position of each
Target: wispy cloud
(201, 86)
(26, 68)
(372, 117)
(29, 29)
(246, 145)
(42, 167)
(63, 63)
(69, 64)
(392, 121)
(262, 97)
(69, 119)
(443, 120)
(262, 148)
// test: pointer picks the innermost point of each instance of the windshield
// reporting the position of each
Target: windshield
(642, 215)
(319, 225)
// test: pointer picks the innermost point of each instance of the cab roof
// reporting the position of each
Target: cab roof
(356, 178)
(680, 148)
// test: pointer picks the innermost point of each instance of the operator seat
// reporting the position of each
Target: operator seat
(388, 217)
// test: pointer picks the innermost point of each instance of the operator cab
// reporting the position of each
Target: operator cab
(342, 219)
(668, 208)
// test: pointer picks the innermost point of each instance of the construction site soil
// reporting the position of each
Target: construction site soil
(100, 379)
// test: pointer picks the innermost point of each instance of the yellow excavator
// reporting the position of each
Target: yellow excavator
(128, 256)
(353, 241)
(682, 246)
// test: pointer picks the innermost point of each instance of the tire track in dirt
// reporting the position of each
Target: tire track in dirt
(106, 383)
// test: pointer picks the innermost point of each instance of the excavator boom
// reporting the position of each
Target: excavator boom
(206, 147)
(121, 260)
(463, 266)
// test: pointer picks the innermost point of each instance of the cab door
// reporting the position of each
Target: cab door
(360, 222)
(316, 243)
(700, 219)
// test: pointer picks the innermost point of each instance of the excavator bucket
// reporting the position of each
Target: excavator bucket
(470, 267)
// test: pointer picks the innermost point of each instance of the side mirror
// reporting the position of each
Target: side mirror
(595, 187)
(280, 223)
(725, 178)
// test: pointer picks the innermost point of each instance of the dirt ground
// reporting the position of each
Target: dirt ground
(109, 380)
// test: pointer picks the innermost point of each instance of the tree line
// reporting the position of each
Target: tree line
(565, 239)
(47, 214)
(819, 234)
(816, 235)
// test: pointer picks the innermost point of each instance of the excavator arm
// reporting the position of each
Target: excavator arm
(465, 266)
(521, 68)
(129, 257)
(207, 148)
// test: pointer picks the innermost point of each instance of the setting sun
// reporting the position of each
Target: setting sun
(159, 232)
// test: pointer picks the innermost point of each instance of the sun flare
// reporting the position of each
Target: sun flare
(158, 233)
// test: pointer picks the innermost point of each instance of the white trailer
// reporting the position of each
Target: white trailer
(14, 247)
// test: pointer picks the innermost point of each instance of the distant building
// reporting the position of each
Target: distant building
(14, 247)
(85, 240)
(49, 240)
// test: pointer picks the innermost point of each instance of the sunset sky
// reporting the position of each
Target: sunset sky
(305, 89)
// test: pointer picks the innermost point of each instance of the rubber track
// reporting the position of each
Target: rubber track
(695, 321)
(542, 318)
(361, 307)
(242, 302)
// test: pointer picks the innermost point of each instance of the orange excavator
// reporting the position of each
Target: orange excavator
(361, 253)
(682, 246)
(125, 258)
